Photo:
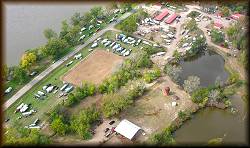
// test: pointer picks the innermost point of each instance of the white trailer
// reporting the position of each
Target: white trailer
(64, 86)
(160, 53)
(19, 107)
(38, 127)
(24, 108)
(45, 87)
(78, 56)
(49, 89)
(83, 28)
(8, 90)
(41, 93)
(147, 43)
(94, 45)
(184, 45)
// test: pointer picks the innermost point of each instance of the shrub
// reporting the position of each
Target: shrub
(191, 84)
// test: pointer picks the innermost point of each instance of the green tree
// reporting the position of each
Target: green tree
(64, 29)
(225, 11)
(191, 84)
(55, 47)
(199, 95)
(177, 56)
(96, 12)
(164, 138)
(217, 37)
(75, 19)
(20, 75)
(49, 33)
(5, 71)
(58, 126)
(191, 25)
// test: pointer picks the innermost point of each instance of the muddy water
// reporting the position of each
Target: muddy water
(208, 66)
(212, 123)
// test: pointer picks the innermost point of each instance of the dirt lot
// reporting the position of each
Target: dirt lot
(153, 111)
(94, 69)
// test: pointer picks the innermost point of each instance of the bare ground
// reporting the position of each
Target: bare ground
(94, 69)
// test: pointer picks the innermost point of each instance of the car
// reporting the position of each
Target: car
(106, 130)
(6, 120)
(111, 122)
(33, 73)
(108, 134)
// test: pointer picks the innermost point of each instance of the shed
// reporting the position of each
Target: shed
(218, 25)
(162, 15)
(171, 18)
(127, 129)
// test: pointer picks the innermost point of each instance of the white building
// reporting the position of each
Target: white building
(127, 129)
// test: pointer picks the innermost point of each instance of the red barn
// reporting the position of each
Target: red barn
(162, 15)
(171, 18)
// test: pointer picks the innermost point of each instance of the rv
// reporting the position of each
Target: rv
(147, 43)
(90, 27)
(111, 45)
(64, 86)
(8, 90)
(83, 28)
(49, 89)
(170, 35)
(164, 36)
(160, 53)
(78, 56)
(24, 108)
(69, 89)
(107, 43)
(94, 45)
(104, 41)
(41, 93)
(123, 51)
(69, 63)
(138, 42)
(37, 96)
(19, 107)
(127, 52)
(184, 45)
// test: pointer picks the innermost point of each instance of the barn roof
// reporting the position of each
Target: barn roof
(162, 15)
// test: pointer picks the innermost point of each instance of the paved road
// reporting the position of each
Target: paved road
(42, 75)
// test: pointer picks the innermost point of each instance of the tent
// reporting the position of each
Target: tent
(127, 129)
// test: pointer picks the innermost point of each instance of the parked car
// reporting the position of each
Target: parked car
(6, 120)
(33, 73)
(111, 122)
(106, 130)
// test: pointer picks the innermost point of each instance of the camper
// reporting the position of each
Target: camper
(164, 36)
(69, 89)
(82, 37)
(38, 127)
(104, 41)
(119, 49)
(156, 45)
(167, 41)
(116, 46)
(111, 45)
(36, 121)
(138, 42)
(37, 96)
(83, 28)
(25, 114)
(49, 89)
(64, 86)
(78, 56)
(24, 108)
(107, 43)
(127, 52)
(8, 90)
(91, 26)
(69, 63)
(184, 45)
(170, 35)
(123, 51)
(160, 53)
(45, 87)
(94, 45)
(41, 93)
(19, 107)
(147, 43)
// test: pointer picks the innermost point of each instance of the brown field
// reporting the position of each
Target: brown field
(95, 68)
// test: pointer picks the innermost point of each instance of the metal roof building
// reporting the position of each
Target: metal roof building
(171, 18)
(162, 15)
(127, 129)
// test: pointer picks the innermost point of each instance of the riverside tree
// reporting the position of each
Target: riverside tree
(173, 72)
(28, 59)
(191, 84)
(55, 47)
(49, 33)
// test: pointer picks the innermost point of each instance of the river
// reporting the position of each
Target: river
(212, 123)
(25, 22)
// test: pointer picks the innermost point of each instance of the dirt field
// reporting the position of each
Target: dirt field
(94, 69)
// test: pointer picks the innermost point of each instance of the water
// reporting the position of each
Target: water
(25, 23)
(212, 123)
(207, 66)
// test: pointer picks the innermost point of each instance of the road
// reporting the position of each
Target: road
(46, 72)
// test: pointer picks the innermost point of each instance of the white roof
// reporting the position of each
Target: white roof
(127, 129)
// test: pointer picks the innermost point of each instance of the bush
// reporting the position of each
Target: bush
(81, 123)
(191, 84)
(199, 95)
(59, 126)
(164, 138)
(217, 37)
(173, 72)
(152, 75)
